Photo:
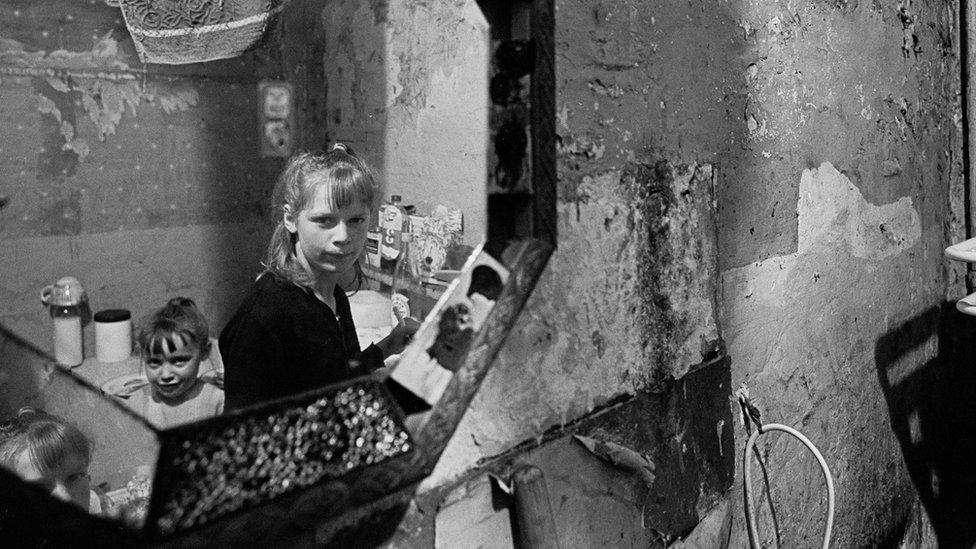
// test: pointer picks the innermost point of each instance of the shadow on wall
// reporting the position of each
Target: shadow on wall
(931, 411)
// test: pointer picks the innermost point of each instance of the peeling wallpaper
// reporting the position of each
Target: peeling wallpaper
(130, 155)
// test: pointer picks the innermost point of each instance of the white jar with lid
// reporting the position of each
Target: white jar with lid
(113, 335)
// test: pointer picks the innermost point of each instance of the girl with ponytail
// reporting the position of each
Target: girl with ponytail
(294, 331)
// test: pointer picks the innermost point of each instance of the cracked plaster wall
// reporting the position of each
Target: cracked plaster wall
(407, 85)
(833, 130)
(863, 127)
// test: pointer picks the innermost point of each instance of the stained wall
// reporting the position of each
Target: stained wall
(825, 135)
(833, 131)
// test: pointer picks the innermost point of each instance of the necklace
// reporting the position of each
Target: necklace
(330, 303)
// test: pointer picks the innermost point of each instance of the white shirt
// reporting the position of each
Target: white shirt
(203, 400)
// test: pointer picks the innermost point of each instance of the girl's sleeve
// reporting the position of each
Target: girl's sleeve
(251, 354)
(371, 358)
(219, 402)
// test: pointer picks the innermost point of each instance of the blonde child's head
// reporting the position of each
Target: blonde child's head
(173, 341)
(340, 180)
(48, 451)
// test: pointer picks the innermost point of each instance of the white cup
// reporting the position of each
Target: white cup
(113, 335)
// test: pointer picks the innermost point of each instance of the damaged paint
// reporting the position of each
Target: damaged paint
(804, 328)
(410, 65)
(77, 145)
(832, 211)
(410, 85)
(838, 230)
(582, 146)
(802, 325)
(67, 130)
(677, 266)
(910, 46)
(103, 85)
(833, 216)
(105, 102)
(178, 100)
(642, 471)
(608, 90)
(367, 51)
(104, 56)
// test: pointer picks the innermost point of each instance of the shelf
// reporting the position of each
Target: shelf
(433, 291)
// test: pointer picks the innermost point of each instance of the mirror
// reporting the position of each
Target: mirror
(118, 447)
(149, 182)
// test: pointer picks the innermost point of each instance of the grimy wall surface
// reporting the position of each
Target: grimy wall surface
(142, 182)
(827, 134)
(834, 210)
(833, 133)
(407, 85)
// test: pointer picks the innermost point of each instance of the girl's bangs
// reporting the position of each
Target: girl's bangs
(343, 185)
(165, 342)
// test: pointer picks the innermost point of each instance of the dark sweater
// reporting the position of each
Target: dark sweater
(282, 340)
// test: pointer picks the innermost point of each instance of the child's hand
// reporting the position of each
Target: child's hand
(399, 337)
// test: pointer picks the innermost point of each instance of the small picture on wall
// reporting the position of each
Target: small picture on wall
(276, 114)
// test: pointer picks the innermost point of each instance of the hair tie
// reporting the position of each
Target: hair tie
(340, 147)
(28, 411)
(11, 425)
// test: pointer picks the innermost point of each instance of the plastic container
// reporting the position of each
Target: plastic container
(401, 290)
(393, 222)
(113, 335)
(409, 297)
(68, 347)
(64, 298)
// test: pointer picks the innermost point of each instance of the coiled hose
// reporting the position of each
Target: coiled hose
(747, 479)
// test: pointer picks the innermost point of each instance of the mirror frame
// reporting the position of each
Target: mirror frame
(344, 496)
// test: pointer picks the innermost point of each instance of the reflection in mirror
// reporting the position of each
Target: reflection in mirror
(443, 341)
(70, 440)
(181, 378)
(188, 218)
(140, 205)
(389, 212)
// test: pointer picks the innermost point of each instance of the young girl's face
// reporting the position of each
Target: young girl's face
(69, 482)
(173, 371)
(329, 240)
